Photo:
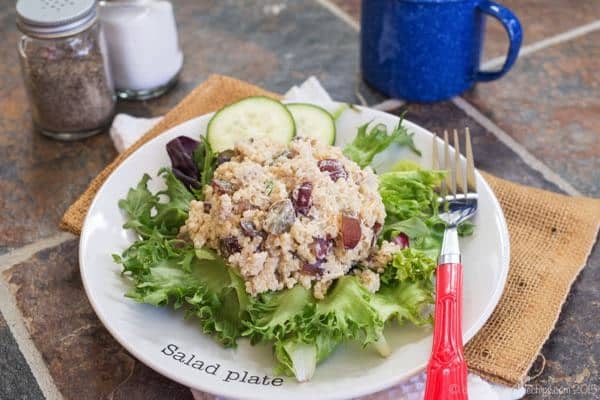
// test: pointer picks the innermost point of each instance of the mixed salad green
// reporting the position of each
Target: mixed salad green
(165, 269)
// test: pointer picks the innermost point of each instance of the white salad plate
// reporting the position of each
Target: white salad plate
(163, 340)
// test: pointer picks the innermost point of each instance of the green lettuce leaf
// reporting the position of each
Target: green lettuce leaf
(166, 271)
(299, 358)
(277, 315)
(407, 194)
(411, 206)
(337, 113)
(346, 314)
(406, 288)
(142, 254)
(404, 301)
(206, 162)
(466, 228)
(305, 330)
(164, 283)
(425, 234)
(366, 145)
(412, 227)
(138, 206)
(222, 303)
(406, 165)
(164, 211)
(409, 265)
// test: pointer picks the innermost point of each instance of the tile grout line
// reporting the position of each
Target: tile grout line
(544, 43)
(16, 325)
(341, 14)
(23, 253)
(15, 321)
(515, 146)
(389, 105)
(529, 159)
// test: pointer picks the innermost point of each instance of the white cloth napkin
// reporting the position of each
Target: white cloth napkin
(126, 129)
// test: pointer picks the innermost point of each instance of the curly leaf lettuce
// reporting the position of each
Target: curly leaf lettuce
(346, 313)
(406, 292)
(405, 300)
(409, 265)
(166, 270)
(315, 328)
(165, 273)
(164, 211)
(221, 310)
(366, 145)
(299, 358)
(277, 315)
(407, 194)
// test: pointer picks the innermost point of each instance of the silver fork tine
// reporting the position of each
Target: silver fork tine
(446, 165)
(449, 166)
(460, 178)
(435, 165)
(435, 155)
(471, 180)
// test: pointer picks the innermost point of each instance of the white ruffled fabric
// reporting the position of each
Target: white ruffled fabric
(125, 130)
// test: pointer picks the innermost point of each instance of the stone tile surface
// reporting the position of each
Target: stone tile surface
(550, 104)
(16, 380)
(275, 48)
(145, 384)
(540, 19)
(82, 357)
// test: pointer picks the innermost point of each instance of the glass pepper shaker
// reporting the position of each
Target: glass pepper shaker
(64, 66)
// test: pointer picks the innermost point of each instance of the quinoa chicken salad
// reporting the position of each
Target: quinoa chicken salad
(265, 230)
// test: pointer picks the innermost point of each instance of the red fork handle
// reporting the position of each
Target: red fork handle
(447, 369)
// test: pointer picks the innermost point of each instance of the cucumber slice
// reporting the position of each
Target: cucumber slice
(252, 117)
(313, 121)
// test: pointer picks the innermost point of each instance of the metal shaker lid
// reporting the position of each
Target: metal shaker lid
(55, 18)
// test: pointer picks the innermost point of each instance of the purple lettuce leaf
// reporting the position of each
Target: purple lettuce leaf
(181, 152)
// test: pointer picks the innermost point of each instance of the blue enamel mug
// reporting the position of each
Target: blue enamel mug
(429, 50)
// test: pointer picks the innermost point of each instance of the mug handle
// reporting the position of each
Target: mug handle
(515, 36)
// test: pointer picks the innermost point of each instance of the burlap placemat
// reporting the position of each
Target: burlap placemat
(551, 236)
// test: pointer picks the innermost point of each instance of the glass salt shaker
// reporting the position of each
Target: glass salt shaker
(64, 66)
(143, 46)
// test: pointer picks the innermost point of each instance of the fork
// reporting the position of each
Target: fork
(447, 369)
